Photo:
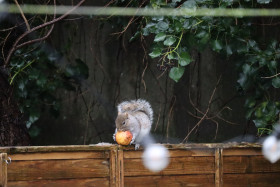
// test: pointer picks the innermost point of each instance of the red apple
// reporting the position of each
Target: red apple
(123, 137)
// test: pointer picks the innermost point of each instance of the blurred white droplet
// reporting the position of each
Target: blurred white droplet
(271, 149)
(155, 157)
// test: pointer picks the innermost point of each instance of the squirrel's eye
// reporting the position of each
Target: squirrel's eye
(123, 122)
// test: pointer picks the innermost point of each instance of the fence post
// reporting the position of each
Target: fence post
(113, 166)
(218, 167)
(120, 171)
(3, 169)
(116, 167)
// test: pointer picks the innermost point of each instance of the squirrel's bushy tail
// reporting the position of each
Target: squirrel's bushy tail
(136, 105)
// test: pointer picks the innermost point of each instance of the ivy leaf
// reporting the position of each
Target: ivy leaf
(187, 24)
(272, 65)
(204, 40)
(163, 26)
(216, 46)
(136, 35)
(201, 34)
(160, 37)
(262, 62)
(229, 50)
(276, 82)
(34, 115)
(250, 102)
(21, 85)
(189, 4)
(264, 1)
(41, 81)
(249, 113)
(178, 26)
(176, 73)
(273, 44)
(228, 2)
(253, 44)
(171, 56)
(259, 123)
(184, 59)
(155, 53)
(169, 41)
(145, 31)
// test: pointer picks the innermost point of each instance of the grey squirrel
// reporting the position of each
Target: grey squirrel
(135, 116)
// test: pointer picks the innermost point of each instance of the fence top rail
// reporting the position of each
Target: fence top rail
(108, 147)
(135, 11)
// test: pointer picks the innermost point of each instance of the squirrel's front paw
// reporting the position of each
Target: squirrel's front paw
(137, 146)
(114, 137)
(132, 141)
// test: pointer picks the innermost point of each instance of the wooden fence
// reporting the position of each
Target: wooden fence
(229, 165)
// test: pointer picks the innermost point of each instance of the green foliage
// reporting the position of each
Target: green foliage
(259, 76)
(36, 78)
(175, 37)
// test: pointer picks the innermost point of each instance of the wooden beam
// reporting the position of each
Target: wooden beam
(218, 167)
(3, 169)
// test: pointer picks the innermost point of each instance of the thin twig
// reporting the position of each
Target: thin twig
(169, 117)
(142, 77)
(158, 118)
(22, 15)
(271, 76)
(87, 124)
(206, 112)
(130, 21)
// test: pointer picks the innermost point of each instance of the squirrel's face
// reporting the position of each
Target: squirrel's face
(121, 121)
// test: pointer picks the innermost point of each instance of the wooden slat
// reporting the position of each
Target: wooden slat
(120, 173)
(58, 169)
(113, 167)
(177, 166)
(174, 153)
(219, 167)
(171, 181)
(93, 182)
(242, 152)
(249, 164)
(3, 170)
(254, 180)
(59, 155)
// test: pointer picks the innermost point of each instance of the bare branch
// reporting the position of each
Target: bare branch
(16, 46)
